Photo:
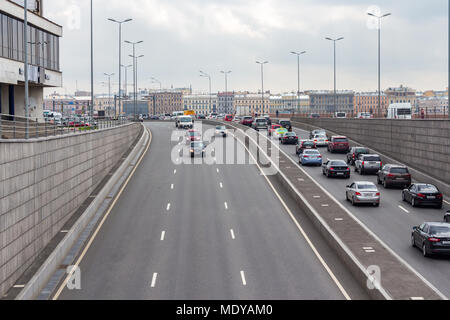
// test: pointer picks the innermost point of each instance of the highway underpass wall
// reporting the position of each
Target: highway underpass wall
(423, 145)
(43, 182)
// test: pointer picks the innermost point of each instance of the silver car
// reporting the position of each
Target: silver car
(368, 163)
(363, 192)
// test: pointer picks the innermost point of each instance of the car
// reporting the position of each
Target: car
(320, 140)
(279, 133)
(221, 131)
(193, 135)
(314, 115)
(336, 168)
(354, 154)
(364, 115)
(237, 119)
(432, 238)
(228, 118)
(394, 175)
(201, 117)
(304, 144)
(289, 138)
(272, 129)
(316, 132)
(197, 148)
(360, 192)
(184, 122)
(310, 157)
(285, 124)
(247, 121)
(220, 117)
(423, 194)
(269, 121)
(368, 163)
(447, 216)
(260, 124)
(340, 115)
(338, 144)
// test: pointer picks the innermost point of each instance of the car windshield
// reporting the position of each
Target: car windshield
(290, 134)
(248, 118)
(261, 120)
(367, 186)
(194, 134)
(220, 128)
(197, 144)
(340, 140)
(361, 150)
(285, 123)
(338, 163)
(186, 119)
(308, 143)
(276, 127)
(427, 188)
(399, 170)
(311, 152)
(320, 136)
(440, 231)
(372, 158)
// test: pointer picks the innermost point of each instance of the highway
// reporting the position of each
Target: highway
(206, 232)
(392, 221)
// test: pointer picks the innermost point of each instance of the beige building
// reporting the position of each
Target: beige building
(200, 103)
(401, 95)
(251, 103)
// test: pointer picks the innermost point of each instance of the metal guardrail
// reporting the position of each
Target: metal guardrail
(16, 127)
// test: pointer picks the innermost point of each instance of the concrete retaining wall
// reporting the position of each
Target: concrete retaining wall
(423, 145)
(43, 182)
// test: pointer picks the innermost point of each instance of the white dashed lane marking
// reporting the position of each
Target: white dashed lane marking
(244, 282)
(155, 275)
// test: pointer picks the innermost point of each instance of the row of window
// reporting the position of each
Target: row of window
(43, 47)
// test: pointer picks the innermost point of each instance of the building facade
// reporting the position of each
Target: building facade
(368, 102)
(225, 103)
(326, 102)
(433, 105)
(200, 103)
(251, 104)
(43, 58)
(401, 95)
(165, 102)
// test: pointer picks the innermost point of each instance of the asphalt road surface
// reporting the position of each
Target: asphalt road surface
(205, 232)
(392, 221)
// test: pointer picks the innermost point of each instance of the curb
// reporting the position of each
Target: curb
(42, 276)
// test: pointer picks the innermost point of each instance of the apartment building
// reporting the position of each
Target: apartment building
(401, 95)
(225, 102)
(327, 102)
(200, 103)
(368, 102)
(251, 103)
(43, 57)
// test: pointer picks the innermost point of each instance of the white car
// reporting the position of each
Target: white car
(320, 140)
(221, 131)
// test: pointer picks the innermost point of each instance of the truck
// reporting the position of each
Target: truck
(189, 113)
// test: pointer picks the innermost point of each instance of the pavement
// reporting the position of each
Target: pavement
(187, 232)
(392, 221)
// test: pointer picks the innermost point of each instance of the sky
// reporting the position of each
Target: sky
(182, 37)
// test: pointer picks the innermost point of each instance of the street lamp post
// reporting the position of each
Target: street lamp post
(298, 54)
(204, 74)
(109, 91)
(25, 41)
(334, 43)
(134, 72)
(262, 81)
(91, 110)
(226, 73)
(126, 79)
(379, 57)
(120, 55)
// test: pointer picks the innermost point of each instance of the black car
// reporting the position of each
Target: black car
(201, 117)
(423, 194)
(336, 168)
(447, 216)
(432, 238)
(285, 124)
(289, 138)
(354, 153)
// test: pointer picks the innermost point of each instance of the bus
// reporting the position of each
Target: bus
(400, 111)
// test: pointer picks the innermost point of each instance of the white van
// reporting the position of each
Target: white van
(400, 111)
(185, 122)
(340, 115)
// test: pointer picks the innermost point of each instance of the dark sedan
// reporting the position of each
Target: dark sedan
(432, 238)
(336, 168)
(289, 138)
(423, 194)
(447, 216)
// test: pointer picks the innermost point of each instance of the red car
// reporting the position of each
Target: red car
(247, 121)
(193, 135)
(272, 129)
(338, 144)
(228, 118)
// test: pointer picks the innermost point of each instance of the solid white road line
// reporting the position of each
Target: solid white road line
(168, 206)
(446, 202)
(226, 206)
(244, 282)
(232, 234)
(163, 235)
(155, 275)
(403, 209)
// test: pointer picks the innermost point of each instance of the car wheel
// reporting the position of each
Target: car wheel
(403, 197)
(362, 171)
(353, 201)
(323, 172)
(346, 196)
(376, 204)
(413, 202)
(413, 241)
(328, 175)
(378, 180)
(425, 251)
(385, 185)
(439, 206)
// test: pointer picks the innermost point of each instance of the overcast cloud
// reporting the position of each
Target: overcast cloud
(182, 37)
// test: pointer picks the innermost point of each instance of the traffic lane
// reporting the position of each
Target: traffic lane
(119, 259)
(389, 221)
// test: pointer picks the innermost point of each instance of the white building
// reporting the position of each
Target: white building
(200, 103)
(43, 58)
